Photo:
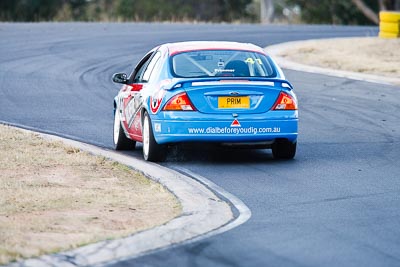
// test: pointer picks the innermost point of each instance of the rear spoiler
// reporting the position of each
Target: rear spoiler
(233, 80)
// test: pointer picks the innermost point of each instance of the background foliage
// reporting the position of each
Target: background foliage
(124, 10)
(332, 11)
(281, 11)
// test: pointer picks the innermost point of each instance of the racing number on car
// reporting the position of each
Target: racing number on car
(253, 61)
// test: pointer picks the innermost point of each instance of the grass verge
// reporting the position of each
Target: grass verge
(371, 55)
(54, 197)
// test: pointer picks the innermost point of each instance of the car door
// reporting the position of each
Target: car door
(131, 99)
(132, 104)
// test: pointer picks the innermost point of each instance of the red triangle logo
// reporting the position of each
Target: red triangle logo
(235, 123)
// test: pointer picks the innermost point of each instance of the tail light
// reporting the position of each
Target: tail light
(285, 102)
(179, 102)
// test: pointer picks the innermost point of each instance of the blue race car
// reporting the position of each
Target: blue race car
(219, 92)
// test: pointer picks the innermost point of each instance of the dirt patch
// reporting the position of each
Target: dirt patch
(370, 55)
(54, 197)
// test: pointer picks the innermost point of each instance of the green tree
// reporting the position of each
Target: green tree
(383, 5)
(28, 10)
(333, 11)
(343, 11)
(205, 10)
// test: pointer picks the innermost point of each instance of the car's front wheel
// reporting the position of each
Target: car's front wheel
(284, 149)
(121, 142)
(151, 150)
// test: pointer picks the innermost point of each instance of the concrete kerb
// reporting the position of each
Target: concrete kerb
(276, 50)
(203, 213)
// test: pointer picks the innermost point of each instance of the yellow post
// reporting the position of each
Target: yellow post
(389, 24)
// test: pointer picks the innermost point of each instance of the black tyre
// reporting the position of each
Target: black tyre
(151, 150)
(283, 149)
(121, 142)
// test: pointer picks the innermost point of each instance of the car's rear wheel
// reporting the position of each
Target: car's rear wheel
(284, 149)
(121, 142)
(151, 150)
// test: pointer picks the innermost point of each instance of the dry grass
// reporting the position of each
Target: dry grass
(54, 198)
(370, 55)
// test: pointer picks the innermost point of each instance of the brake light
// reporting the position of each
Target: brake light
(179, 102)
(285, 102)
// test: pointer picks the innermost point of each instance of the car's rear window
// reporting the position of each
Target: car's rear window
(228, 63)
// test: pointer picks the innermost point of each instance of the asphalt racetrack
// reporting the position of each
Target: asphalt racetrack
(336, 204)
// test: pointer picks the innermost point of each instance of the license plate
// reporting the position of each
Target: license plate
(234, 102)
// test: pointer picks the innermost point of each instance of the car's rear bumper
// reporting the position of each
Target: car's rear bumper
(225, 131)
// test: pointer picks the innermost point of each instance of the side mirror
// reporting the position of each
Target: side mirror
(120, 78)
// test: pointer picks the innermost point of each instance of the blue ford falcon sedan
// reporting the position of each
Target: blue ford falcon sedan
(215, 92)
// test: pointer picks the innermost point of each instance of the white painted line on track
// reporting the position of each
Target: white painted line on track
(243, 210)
